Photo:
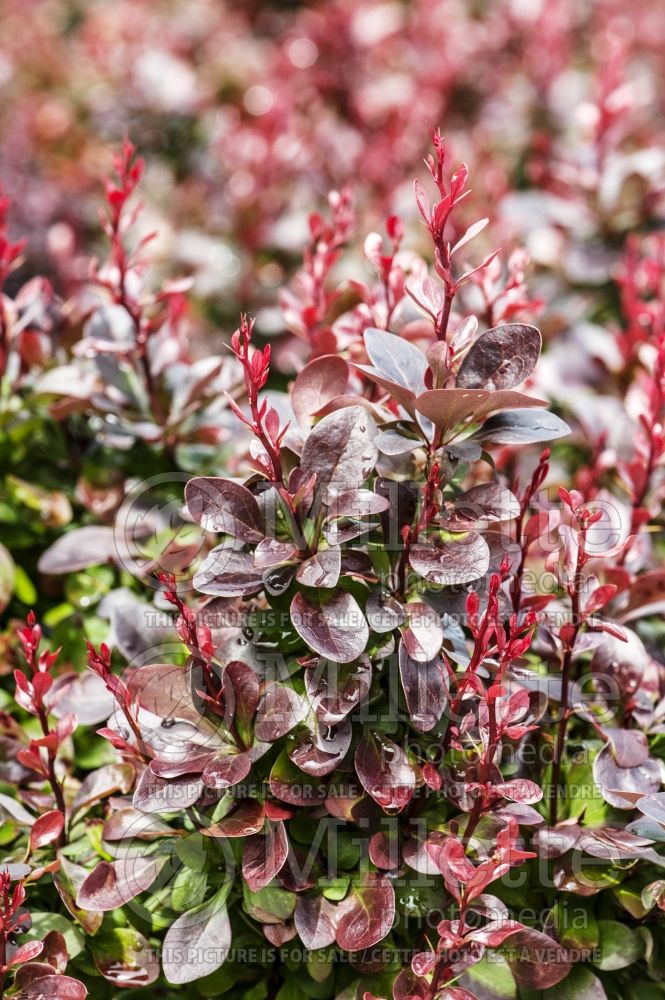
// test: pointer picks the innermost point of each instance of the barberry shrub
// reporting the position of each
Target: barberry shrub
(373, 718)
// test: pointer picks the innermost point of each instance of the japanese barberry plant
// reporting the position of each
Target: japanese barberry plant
(375, 712)
(331, 586)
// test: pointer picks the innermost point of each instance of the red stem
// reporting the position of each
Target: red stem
(52, 777)
(565, 686)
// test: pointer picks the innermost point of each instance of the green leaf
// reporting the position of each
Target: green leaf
(259, 991)
(334, 889)
(123, 956)
(269, 904)
(581, 984)
(87, 587)
(576, 924)
(192, 852)
(189, 889)
(58, 613)
(219, 982)
(24, 588)
(319, 964)
(290, 990)
(619, 946)
(583, 795)
(42, 923)
(629, 896)
(491, 978)
(7, 577)
(347, 849)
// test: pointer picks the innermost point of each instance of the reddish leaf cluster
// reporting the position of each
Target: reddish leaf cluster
(389, 652)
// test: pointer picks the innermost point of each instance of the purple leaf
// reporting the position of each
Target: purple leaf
(286, 784)
(315, 919)
(220, 505)
(403, 498)
(385, 772)
(154, 794)
(393, 442)
(422, 635)
(227, 770)
(335, 689)
(553, 842)
(520, 790)
(627, 663)
(417, 856)
(405, 397)
(164, 690)
(271, 552)
(198, 942)
(629, 747)
(333, 627)
(46, 829)
(454, 562)
(501, 358)
(241, 690)
(448, 407)
(508, 399)
(408, 986)
(646, 595)
(384, 850)
(621, 786)
(132, 632)
(245, 819)
(34, 970)
(486, 502)
(78, 549)
(366, 915)
(68, 880)
(226, 572)
(356, 503)
(55, 988)
(536, 960)
(521, 427)
(653, 806)
(613, 844)
(113, 883)
(321, 569)
(340, 449)
(320, 751)
(279, 710)
(189, 759)
(384, 613)
(319, 382)
(131, 824)
(424, 690)
(279, 934)
(357, 563)
(337, 534)
(264, 855)
(84, 695)
(99, 784)
(396, 359)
